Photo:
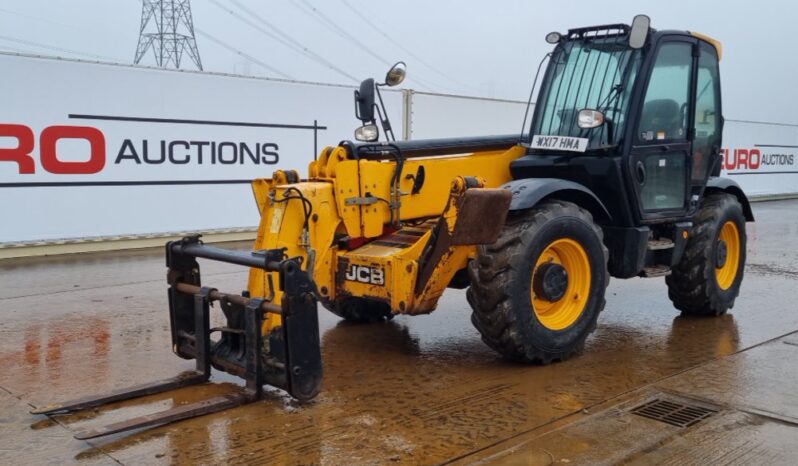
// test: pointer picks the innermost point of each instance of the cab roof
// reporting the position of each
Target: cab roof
(611, 30)
(714, 42)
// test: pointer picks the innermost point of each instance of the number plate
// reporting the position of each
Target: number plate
(568, 143)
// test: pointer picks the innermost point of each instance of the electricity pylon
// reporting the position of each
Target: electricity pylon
(167, 29)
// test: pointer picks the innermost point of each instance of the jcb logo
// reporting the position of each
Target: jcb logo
(365, 274)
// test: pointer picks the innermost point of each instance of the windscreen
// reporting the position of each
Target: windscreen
(592, 73)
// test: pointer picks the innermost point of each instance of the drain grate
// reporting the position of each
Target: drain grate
(673, 413)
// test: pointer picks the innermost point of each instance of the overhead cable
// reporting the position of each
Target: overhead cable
(56, 49)
(398, 44)
(280, 36)
(243, 54)
(327, 22)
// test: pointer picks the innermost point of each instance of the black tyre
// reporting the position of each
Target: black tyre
(536, 293)
(361, 311)
(707, 279)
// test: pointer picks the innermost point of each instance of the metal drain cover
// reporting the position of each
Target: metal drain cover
(673, 412)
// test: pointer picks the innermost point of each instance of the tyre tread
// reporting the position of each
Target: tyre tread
(493, 270)
(691, 284)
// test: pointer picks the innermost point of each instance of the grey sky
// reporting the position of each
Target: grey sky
(485, 48)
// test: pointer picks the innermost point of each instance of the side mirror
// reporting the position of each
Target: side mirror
(589, 118)
(638, 34)
(367, 133)
(396, 74)
(364, 101)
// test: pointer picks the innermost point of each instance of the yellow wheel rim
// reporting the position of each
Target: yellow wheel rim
(563, 312)
(726, 273)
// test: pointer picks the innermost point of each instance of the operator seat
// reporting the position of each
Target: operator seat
(661, 116)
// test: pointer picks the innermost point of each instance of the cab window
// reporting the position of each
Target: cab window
(664, 114)
(708, 121)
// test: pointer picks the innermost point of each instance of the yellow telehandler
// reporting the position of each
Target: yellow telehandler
(617, 175)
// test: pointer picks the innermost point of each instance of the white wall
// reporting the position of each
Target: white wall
(43, 92)
(440, 116)
(39, 93)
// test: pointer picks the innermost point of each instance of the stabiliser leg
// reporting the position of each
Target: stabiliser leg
(292, 362)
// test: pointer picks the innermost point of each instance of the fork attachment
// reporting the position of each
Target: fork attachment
(289, 357)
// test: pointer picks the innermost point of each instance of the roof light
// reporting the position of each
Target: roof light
(553, 37)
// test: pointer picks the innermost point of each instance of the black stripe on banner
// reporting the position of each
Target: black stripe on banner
(762, 173)
(192, 122)
(775, 145)
(78, 184)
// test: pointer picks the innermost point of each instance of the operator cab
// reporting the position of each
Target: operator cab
(633, 114)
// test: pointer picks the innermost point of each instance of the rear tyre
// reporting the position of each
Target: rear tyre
(362, 311)
(536, 293)
(707, 279)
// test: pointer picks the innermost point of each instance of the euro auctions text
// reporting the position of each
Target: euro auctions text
(757, 158)
(131, 151)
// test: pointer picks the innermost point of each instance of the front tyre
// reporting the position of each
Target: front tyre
(536, 293)
(707, 278)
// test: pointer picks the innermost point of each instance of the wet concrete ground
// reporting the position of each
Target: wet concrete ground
(417, 390)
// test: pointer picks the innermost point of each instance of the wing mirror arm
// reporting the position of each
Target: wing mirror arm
(383, 114)
(369, 104)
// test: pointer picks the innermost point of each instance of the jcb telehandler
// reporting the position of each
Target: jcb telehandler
(616, 176)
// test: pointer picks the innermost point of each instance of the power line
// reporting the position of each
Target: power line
(242, 54)
(56, 49)
(299, 46)
(246, 56)
(325, 20)
(402, 47)
(280, 36)
(36, 18)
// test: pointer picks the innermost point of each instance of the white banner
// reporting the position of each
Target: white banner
(96, 150)
(761, 157)
(90, 150)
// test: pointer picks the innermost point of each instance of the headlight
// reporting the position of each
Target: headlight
(367, 133)
(588, 118)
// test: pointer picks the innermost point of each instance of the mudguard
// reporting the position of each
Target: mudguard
(530, 191)
(718, 183)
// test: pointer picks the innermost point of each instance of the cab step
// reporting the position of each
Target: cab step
(656, 271)
(659, 244)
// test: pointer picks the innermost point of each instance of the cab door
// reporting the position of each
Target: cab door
(660, 158)
(708, 120)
